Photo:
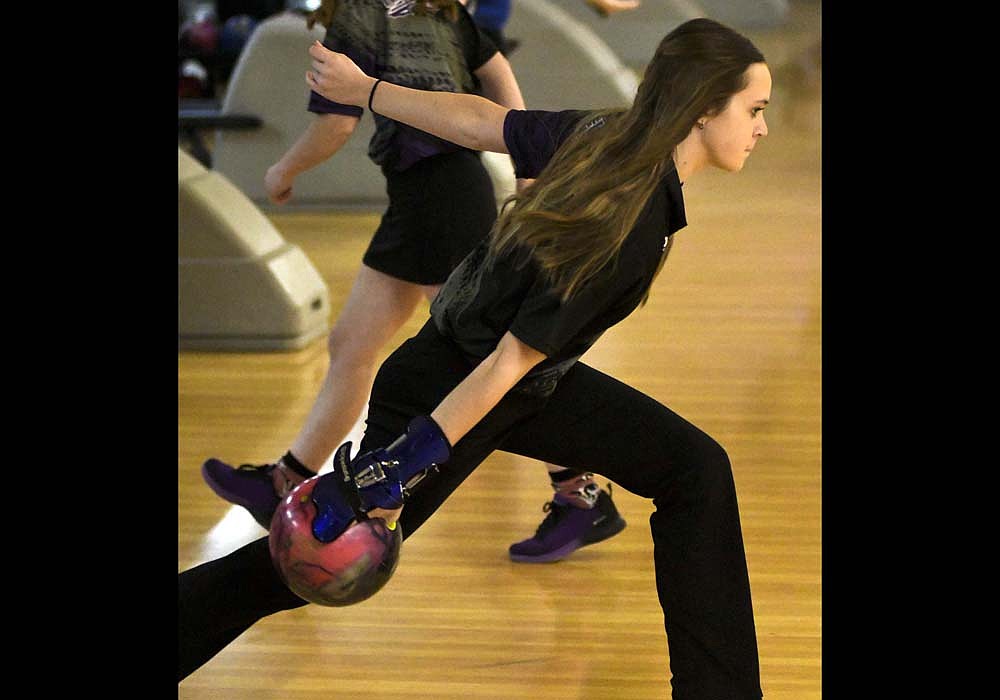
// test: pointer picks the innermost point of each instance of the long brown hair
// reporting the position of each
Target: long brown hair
(324, 13)
(575, 217)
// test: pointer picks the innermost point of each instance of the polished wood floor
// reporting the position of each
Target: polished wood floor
(731, 339)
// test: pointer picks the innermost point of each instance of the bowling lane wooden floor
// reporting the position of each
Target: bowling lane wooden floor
(731, 339)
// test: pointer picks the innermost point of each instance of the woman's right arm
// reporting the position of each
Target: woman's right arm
(468, 120)
(482, 389)
(474, 397)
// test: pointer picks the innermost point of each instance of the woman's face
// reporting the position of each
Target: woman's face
(730, 135)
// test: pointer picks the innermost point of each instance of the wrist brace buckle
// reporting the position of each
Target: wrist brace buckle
(374, 473)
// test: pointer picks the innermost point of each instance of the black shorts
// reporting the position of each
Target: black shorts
(439, 209)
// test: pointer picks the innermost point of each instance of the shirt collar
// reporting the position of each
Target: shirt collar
(671, 188)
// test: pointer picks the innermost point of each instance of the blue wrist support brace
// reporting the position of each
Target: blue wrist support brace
(377, 479)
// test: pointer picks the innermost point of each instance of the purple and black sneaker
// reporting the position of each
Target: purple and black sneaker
(566, 528)
(250, 486)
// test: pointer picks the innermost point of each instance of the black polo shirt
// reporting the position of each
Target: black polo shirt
(480, 302)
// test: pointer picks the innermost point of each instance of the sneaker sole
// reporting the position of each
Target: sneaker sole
(562, 552)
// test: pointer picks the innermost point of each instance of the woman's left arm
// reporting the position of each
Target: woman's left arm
(499, 85)
(468, 120)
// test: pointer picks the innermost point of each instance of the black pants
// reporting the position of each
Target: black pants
(591, 422)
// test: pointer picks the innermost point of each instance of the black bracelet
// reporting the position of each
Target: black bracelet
(372, 94)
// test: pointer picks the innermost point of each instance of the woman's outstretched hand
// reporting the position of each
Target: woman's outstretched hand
(337, 78)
